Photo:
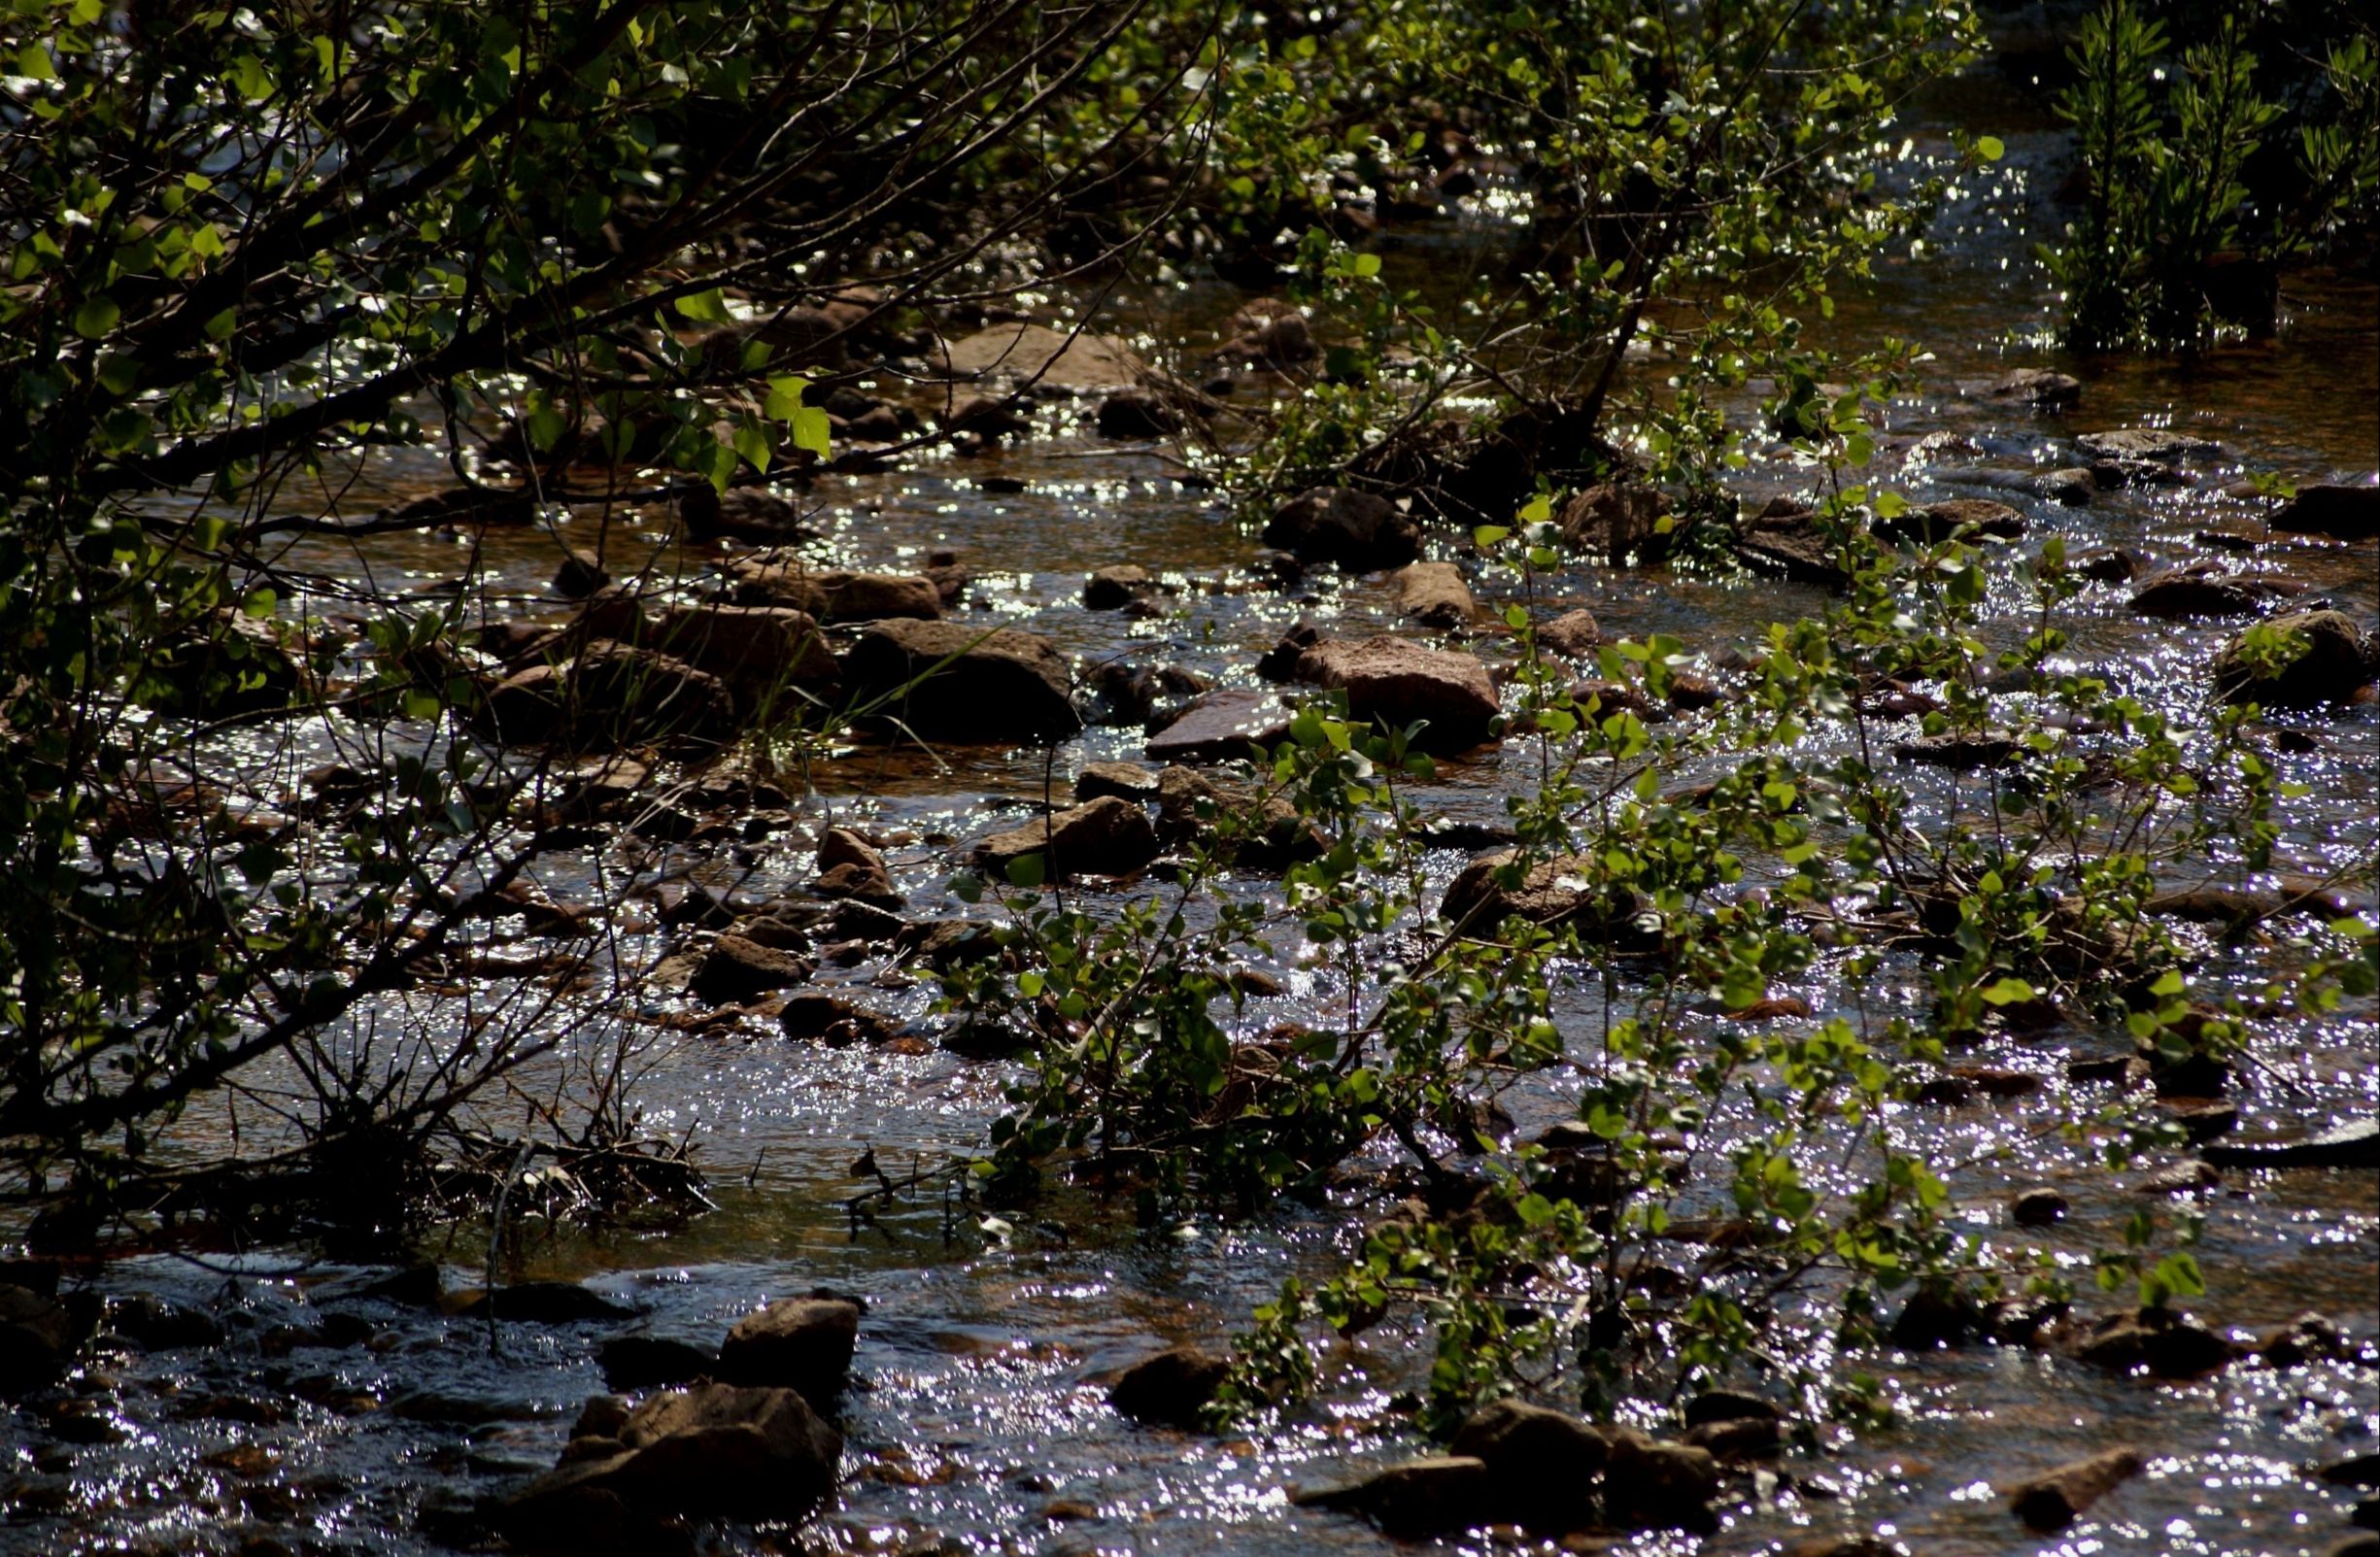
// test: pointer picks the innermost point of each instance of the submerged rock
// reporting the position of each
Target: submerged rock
(2185, 593)
(946, 681)
(539, 1302)
(1400, 683)
(1105, 837)
(2160, 444)
(1171, 1389)
(2041, 387)
(641, 1362)
(2055, 1499)
(1428, 1497)
(1939, 522)
(2155, 1341)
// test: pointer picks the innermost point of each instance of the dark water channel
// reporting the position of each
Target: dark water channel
(977, 1421)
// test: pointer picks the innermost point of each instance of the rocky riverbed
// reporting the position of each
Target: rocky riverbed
(801, 1367)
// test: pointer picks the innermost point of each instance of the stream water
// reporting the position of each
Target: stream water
(977, 1421)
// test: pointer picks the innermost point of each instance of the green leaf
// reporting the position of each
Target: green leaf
(1028, 870)
(705, 307)
(811, 430)
(784, 401)
(1989, 149)
(753, 445)
(96, 317)
(1487, 535)
(2008, 992)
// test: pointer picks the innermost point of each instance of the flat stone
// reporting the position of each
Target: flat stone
(2355, 1144)
(1046, 358)
(1221, 727)
(2161, 444)
(1401, 683)
(1126, 781)
(2041, 387)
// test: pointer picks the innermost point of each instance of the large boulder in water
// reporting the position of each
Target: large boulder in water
(2347, 509)
(947, 680)
(756, 651)
(1106, 837)
(1356, 529)
(714, 1451)
(797, 1343)
(1171, 1389)
(2339, 658)
(1401, 683)
(610, 695)
(1543, 1467)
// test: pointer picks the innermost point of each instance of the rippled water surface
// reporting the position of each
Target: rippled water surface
(977, 1419)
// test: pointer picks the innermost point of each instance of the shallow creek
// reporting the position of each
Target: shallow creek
(977, 1421)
